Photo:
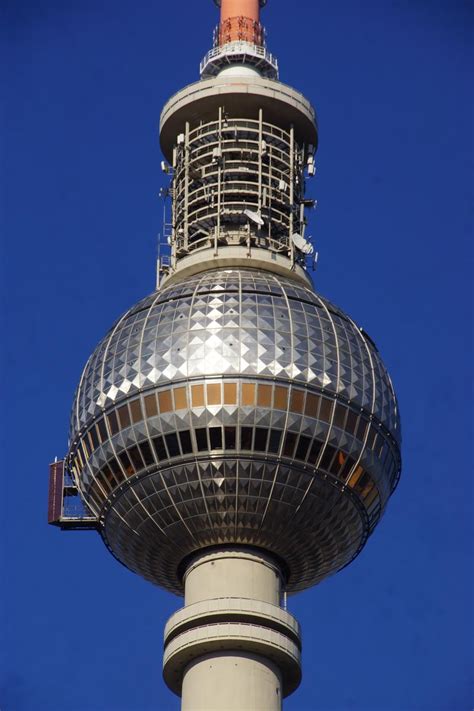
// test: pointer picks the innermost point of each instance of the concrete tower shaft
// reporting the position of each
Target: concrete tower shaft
(232, 646)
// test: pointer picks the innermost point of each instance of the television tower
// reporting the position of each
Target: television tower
(234, 437)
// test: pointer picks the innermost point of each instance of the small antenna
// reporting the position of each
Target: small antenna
(254, 217)
(302, 244)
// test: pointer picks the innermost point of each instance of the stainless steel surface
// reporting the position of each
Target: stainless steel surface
(235, 407)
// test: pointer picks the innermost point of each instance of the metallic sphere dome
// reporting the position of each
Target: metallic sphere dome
(239, 407)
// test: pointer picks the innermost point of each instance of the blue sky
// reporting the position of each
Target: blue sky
(83, 86)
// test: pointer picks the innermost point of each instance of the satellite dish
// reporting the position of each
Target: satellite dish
(301, 244)
(255, 217)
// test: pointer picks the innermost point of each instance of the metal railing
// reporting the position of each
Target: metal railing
(237, 181)
(239, 52)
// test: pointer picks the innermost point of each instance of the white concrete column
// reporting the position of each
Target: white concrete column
(231, 681)
(232, 647)
(232, 572)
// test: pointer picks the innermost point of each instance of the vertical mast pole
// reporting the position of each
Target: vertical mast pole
(292, 192)
(260, 158)
(186, 186)
(217, 231)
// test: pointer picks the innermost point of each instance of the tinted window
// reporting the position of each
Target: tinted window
(136, 410)
(215, 436)
(159, 446)
(315, 450)
(172, 444)
(274, 441)
(201, 439)
(361, 429)
(246, 438)
(326, 460)
(126, 463)
(229, 435)
(186, 444)
(151, 407)
(260, 439)
(124, 417)
(325, 411)
(289, 446)
(94, 438)
(134, 455)
(351, 422)
(102, 430)
(114, 426)
(146, 453)
(339, 416)
(302, 448)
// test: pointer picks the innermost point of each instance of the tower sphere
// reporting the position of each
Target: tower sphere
(235, 407)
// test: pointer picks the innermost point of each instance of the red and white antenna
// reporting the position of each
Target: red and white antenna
(239, 42)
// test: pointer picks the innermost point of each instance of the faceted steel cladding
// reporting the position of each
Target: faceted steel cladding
(235, 407)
